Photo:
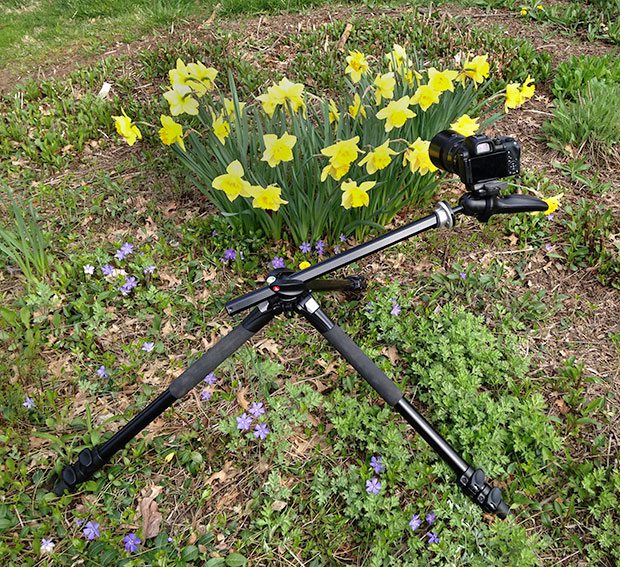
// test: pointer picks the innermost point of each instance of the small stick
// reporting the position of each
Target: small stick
(345, 35)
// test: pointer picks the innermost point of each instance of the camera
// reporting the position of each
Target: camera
(475, 159)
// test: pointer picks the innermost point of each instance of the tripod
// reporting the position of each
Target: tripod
(292, 293)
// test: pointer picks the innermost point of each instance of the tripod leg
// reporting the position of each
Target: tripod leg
(91, 460)
(471, 481)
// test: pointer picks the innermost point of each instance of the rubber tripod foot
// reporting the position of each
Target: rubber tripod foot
(89, 461)
(474, 484)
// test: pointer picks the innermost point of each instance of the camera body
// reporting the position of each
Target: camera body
(476, 159)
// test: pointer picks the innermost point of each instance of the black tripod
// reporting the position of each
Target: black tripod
(289, 293)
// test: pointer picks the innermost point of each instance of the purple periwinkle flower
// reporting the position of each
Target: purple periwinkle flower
(343, 237)
(548, 247)
(124, 251)
(149, 269)
(463, 275)
(415, 522)
(395, 308)
(107, 270)
(214, 232)
(244, 422)
(278, 262)
(28, 403)
(432, 537)
(131, 541)
(47, 546)
(130, 283)
(210, 379)
(229, 254)
(257, 409)
(102, 372)
(376, 462)
(205, 395)
(373, 486)
(261, 431)
(337, 249)
(320, 247)
(305, 247)
(91, 530)
(89, 269)
(550, 216)
(148, 347)
(430, 518)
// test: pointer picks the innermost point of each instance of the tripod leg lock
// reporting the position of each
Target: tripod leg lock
(488, 498)
(89, 461)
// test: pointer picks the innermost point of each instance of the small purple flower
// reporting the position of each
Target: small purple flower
(130, 283)
(343, 237)
(278, 262)
(395, 308)
(373, 486)
(148, 347)
(107, 270)
(170, 540)
(149, 269)
(430, 518)
(337, 249)
(305, 247)
(124, 251)
(244, 422)
(550, 216)
(229, 254)
(89, 269)
(463, 275)
(210, 379)
(261, 431)
(415, 522)
(91, 530)
(205, 395)
(257, 409)
(548, 247)
(131, 541)
(47, 546)
(432, 537)
(102, 372)
(28, 403)
(376, 462)
(214, 232)
(79, 521)
(320, 247)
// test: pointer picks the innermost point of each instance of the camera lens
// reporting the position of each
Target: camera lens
(444, 149)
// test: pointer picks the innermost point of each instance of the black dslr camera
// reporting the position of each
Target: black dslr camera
(475, 159)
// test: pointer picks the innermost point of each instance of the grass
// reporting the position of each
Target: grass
(504, 342)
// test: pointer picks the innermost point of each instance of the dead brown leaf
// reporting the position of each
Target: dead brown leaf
(225, 474)
(149, 510)
(241, 399)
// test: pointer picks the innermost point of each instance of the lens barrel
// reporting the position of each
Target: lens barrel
(444, 149)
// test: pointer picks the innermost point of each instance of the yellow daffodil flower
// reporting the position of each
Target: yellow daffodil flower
(292, 92)
(334, 113)
(181, 100)
(417, 157)
(425, 96)
(379, 158)
(513, 96)
(343, 152)
(524, 11)
(465, 125)
(229, 108)
(335, 172)
(477, 70)
(357, 107)
(278, 149)
(204, 75)
(397, 57)
(127, 129)
(179, 75)
(384, 87)
(396, 113)
(270, 100)
(232, 183)
(221, 127)
(305, 264)
(267, 197)
(527, 89)
(357, 65)
(410, 75)
(553, 203)
(171, 132)
(354, 195)
(441, 80)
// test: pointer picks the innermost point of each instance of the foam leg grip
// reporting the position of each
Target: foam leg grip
(366, 367)
(219, 352)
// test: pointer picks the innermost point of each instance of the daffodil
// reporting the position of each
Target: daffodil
(229, 107)
(171, 132)
(179, 75)
(441, 80)
(354, 195)
(379, 158)
(465, 125)
(270, 101)
(524, 11)
(343, 152)
(396, 113)
(527, 89)
(232, 182)
(513, 96)
(181, 100)
(292, 92)
(334, 113)
(335, 172)
(305, 264)
(267, 197)
(357, 107)
(357, 65)
(553, 203)
(477, 70)
(397, 58)
(384, 87)
(278, 149)
(416, 155)
(411, 74)
(425, 96)
(221, 127)
(127, 129)
(205, 75)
